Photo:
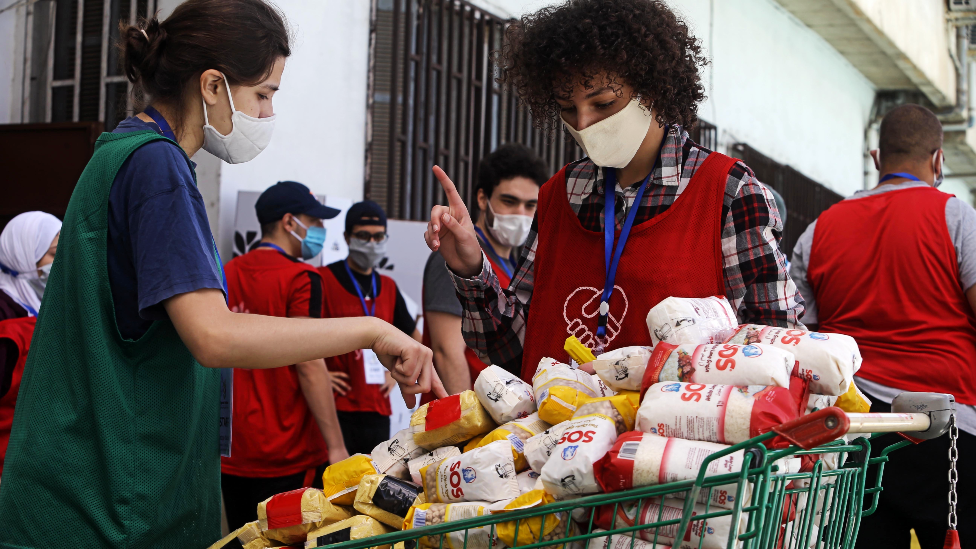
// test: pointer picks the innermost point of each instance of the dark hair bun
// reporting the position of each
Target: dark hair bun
(141, 47)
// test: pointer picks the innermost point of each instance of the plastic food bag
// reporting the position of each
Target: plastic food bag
(551, 373)
(715, 531)
(358, 527)
(569, 471)
(828, 361)
(621, 541)
(725, 364)
(556, 526)
(517, 432)
(695, 321)
(528, 481)
(340, 480)
(430, 514)
(483, 474)
(387, 499)
(641, 459)
(418, 463)
(391, 456)
(450, 420)
(603, 388)
(819, 402)
(248, 536)
(621, 408)
(288, 517)
(623, 369)
(854, 401)
(714, 413)
(539, 447)
(504, 395)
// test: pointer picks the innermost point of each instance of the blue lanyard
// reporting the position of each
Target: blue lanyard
(5, 269)
(273, 246)
(161, 122)
(896, 175)
(505, 265)
(359, 290)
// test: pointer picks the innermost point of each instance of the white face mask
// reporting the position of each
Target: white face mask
(613, 141)
(247, 138)
(510, 230)
(40, 282)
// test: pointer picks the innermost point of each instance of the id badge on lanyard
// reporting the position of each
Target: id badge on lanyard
(373, 369)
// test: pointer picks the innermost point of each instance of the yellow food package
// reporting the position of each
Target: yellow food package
(430, 514)
(387, 499)
(248, 536)
(450, 420)
(558, 404)
(534, 529)
(517, 432)
(853, 401)
(287, 517)
(357, 527)
(340, 480)
(621, 408)
(473, 443)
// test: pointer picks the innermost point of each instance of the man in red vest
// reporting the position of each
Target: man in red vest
(353, 288)
(285, 429)
(895, 267)
(507, 194)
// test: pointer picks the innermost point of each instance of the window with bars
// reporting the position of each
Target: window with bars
(73, 62)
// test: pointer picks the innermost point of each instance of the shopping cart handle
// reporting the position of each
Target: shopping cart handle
(938, 406)
(815, 429)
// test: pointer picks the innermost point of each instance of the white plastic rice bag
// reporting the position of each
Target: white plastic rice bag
(503, 394)
(483, 474)
(642, 459)
(714, 413)
(391, 456)
(827, 361)
(552, 374)
(539, 447)
(423, 460)
(569, 471)
(723, 363)
(819, 402)
(623, 369)
(695, 321)
(621, 541)
(605, 390)
(715, 531)
(528, 480)
(516, 433)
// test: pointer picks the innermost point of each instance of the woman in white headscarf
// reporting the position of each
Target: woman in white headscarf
(27, 247)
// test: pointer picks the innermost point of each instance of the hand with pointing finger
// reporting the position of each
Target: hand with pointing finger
(451, 232)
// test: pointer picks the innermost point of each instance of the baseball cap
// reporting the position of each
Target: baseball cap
(290, 197)
(366, 212)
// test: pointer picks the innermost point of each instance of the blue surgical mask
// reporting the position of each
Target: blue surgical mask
(313, 242)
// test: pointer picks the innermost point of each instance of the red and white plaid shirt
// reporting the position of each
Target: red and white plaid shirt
(756, 279)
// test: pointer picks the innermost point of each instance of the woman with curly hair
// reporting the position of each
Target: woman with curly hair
(622, 77)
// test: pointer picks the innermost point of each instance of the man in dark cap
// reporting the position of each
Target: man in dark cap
(353, 288)
(285, 429)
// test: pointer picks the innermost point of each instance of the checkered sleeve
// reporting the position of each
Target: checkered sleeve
(757, 281)
(494, 318)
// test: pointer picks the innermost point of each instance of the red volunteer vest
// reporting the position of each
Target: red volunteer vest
(475, 365)
(884, 271)
(18, 330)
(677, 253)
(339, 303)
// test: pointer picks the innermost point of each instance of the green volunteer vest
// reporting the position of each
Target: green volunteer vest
(114, 442)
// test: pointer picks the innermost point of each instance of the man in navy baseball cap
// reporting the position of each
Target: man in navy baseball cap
(290, 197)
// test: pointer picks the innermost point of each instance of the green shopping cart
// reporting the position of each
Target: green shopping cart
(779, 507)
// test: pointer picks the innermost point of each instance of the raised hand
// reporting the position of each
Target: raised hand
(451, 231)
(409, 362)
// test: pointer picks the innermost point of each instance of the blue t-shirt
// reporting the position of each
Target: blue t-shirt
(159, 239)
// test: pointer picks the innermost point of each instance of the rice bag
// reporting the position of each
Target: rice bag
(528, 480)
(472, 444)
(423, 460)
(725, 363)
(391, 456)
(854, 401)
(550, 527)
(357, 527)
(569, 470)
(551, 373)
(516, 433)
(715, 531)
(621, 408)
(623, 369)
(340, 480)
(603, 388)
(483, 474)
(387, 499)
(828, 361)
(430, 514)
(539, 447)
(558, 404)
(504, 395)
(450, 420)
(695, 321)
(621, 541)
(289, 516)
(714, 413)
(248, 536)
(641, 459)
(819, 402)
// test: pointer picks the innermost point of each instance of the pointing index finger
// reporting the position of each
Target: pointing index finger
(453, 198)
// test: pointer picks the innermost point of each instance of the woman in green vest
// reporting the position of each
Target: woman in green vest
(117, 426)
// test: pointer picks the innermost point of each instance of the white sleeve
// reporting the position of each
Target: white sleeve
(798, 272)
(961, 221)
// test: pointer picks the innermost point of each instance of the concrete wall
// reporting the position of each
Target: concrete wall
(11, 62)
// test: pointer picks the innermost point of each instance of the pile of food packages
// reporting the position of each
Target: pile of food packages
(648, 416)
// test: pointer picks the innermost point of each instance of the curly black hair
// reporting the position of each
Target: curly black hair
(638, 42)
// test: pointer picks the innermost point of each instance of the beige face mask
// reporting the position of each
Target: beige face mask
(613, 141)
